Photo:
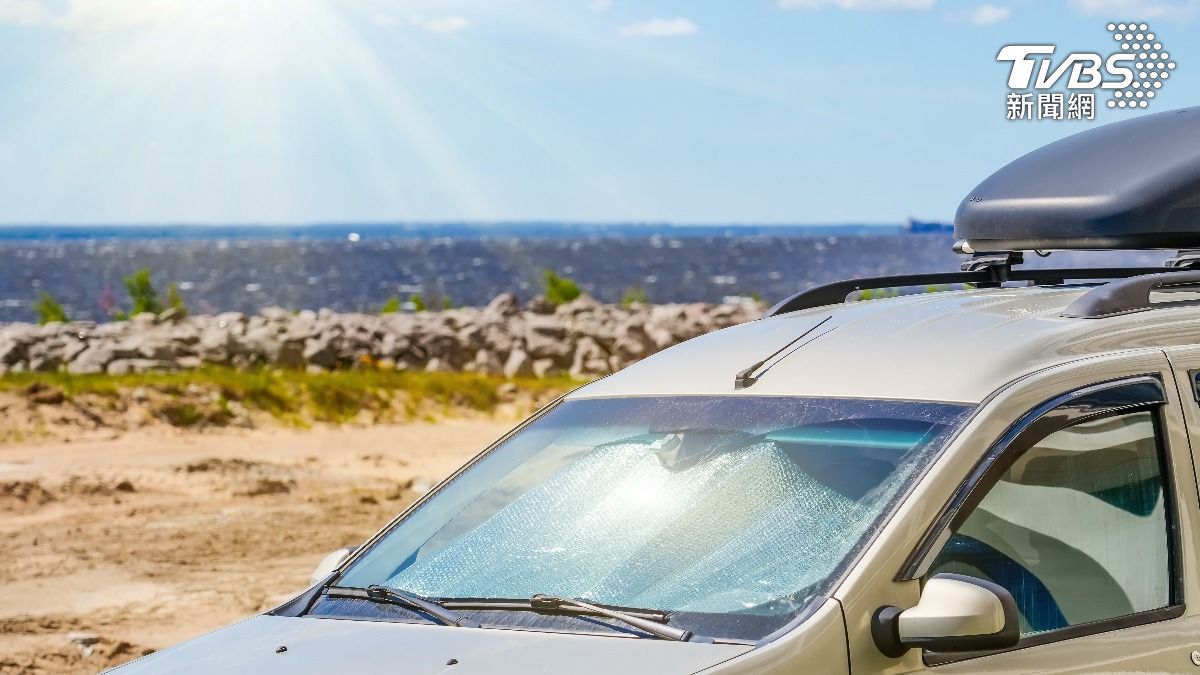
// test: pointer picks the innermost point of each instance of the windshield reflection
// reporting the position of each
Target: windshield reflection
(727, 512)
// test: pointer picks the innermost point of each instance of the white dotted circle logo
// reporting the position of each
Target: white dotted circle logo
(1149, 64)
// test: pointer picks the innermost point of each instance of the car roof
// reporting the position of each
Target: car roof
(952, 346)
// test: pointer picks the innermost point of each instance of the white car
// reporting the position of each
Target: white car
(993, 479)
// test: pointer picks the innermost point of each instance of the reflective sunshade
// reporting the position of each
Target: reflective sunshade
(729, 512)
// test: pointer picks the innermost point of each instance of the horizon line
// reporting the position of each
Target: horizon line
(461, 223)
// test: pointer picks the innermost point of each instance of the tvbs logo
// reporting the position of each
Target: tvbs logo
(1129, 77)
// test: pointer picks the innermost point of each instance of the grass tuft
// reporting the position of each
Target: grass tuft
(296, 398)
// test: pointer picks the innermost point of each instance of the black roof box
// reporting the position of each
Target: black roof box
(1128, 185)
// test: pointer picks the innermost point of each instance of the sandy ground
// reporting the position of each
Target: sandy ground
(111, 548)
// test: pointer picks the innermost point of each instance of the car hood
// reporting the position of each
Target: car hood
(336, 645)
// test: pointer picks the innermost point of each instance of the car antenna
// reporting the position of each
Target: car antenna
(746, 378)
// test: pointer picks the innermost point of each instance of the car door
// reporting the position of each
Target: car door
(1079, 517)
(1073, 487)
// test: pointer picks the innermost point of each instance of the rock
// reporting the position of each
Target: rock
(320, 351)
(589, 359)
(501, 306)
(583, 337)
(41, 393)
(235, 322)
(519, 364)
(72, 348)
(300, 329)
(157, 348)
(260, 342)
(172, 315)
(185, 333)
(661, 337)
(265, 344)
(582, 305)
(213, 345)
(45, 364)
(545, 368)
(539, 305)
(276, 314)
(49, 355)
(94, 359)
(84, 639)
(487, 363)
(470, 336)
(393, 346)
(86, 642)
(497, 338)
(632, 342)
(448, 350)
(291, 354)
(267, 486)
(11, 351)
(24, 493)
(546, 339)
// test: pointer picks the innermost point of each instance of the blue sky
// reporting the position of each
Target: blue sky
(755, 111)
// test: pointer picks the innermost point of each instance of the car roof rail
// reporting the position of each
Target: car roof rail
(835, 293)
(1128, 295)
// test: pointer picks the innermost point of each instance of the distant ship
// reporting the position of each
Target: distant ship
(921, 227)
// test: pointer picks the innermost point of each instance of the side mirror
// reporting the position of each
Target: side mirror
(956, 613)
(330, 563)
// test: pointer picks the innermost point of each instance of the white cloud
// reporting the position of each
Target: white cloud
(860, 5)
(442, 24)
(1136, 9)
(656, 28)
(984, 15)
(599, 5)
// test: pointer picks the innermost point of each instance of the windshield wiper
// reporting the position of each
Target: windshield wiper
(392, 596)
(569, 606)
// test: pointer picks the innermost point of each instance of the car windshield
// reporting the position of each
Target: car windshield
(730, 513)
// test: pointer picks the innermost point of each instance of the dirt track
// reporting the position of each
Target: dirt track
(110, 548)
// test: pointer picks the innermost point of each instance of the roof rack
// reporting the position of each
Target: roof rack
(835, 293)
(1127, 295)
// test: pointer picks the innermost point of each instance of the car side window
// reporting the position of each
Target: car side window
(1077, 529)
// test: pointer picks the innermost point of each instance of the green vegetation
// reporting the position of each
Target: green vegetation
(560, 290)
(391, 306)
(880, 293)
(142, 294)
(877, 293)
(49, 310)
(175, 301)
(417, 301)
(293, 397)
(634, 295)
